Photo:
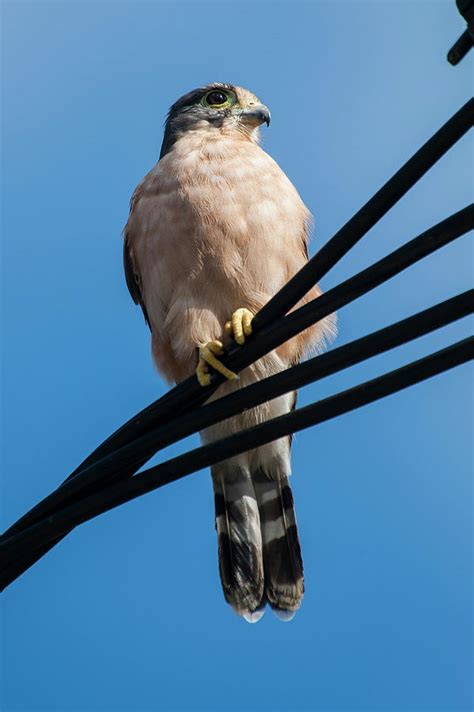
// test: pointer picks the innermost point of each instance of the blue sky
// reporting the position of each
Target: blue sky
(127, 612)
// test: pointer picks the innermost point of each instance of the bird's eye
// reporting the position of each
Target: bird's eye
(216, 98)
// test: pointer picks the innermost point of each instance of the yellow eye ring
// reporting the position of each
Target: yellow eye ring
(218, 99)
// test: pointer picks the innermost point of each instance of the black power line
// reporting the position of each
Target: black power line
(178, 467)
(312, 370)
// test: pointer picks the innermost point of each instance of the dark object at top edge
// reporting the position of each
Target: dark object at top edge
(462, 46)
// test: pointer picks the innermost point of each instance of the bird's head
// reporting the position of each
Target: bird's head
(221, 106)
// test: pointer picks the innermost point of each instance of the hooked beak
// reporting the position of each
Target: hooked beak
(256, 115)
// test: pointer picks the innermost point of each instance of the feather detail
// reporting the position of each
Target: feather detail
(239, 540)
(283, 565)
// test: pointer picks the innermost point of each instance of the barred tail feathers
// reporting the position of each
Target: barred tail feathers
(259, 551)
(283, 564)
(239, 540)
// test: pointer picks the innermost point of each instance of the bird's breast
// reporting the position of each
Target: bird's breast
(225, 212)
(236, 192)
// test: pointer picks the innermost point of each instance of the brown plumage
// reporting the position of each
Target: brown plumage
(216, 225)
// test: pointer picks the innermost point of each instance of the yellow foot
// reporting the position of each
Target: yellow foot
(207, 357)
(240, 325)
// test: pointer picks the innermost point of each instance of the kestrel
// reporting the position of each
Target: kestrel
(215, 230)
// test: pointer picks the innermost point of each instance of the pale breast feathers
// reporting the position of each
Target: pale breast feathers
(216, 225)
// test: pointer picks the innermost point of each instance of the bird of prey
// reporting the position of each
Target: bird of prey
(215, 230)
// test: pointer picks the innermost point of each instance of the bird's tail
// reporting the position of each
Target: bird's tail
(239, 540)
(259, 550)
(283, 565)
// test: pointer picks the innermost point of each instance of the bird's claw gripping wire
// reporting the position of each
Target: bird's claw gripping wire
(208, 357)
(239, 326)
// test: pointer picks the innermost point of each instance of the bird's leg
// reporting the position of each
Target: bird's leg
(239, 326)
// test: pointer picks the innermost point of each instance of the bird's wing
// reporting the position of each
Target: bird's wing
(132, 274)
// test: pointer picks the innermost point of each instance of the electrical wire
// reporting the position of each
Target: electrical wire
(204, 456)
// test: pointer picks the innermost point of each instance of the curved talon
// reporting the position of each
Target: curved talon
(202, 373)
(207, 357)
(240, 325)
